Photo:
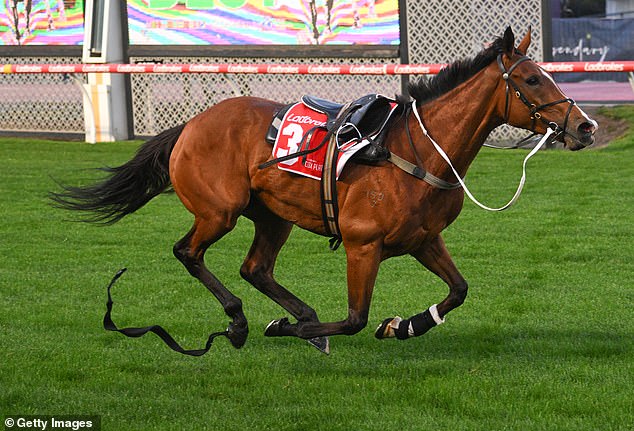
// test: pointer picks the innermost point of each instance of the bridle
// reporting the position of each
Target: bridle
(552, 131)
(534, 110)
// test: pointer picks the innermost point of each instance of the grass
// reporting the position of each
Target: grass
(545, 340)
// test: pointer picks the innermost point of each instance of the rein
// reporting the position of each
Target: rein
(442, 153)
(553, 130)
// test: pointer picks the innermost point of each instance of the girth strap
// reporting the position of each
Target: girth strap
(329, 203)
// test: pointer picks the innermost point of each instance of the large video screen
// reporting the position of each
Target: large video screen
(41, 22)
(263, 22)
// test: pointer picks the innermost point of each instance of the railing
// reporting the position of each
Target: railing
(40, 98)
(295, 69)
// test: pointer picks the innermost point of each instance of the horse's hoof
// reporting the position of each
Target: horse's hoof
(237, 334)
(274, 329)
(320, 343)
(387, 328)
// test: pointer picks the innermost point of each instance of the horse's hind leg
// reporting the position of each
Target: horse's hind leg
(191, 251)
(271, 232)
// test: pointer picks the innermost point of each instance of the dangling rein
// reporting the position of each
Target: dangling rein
(442, 153)
(109, 325)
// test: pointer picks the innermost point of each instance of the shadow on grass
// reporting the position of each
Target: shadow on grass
(450, 352)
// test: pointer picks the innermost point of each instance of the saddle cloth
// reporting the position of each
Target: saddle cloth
(300, 126)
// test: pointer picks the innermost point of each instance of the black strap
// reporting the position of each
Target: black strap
(109, 325)
(329, 202)
(408, 111)
(417, 170)
(303, 143)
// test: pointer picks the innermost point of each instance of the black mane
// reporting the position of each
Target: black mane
(426, 89)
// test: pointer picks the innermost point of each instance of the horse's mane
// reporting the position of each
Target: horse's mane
(426, 89)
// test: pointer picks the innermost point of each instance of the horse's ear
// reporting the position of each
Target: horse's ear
(523, 46)
(508, 41)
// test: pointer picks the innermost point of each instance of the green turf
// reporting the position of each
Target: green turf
(545, 340)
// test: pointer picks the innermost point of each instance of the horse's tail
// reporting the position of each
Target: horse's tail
(127, 187)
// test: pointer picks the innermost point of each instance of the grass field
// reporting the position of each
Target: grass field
(545, 340)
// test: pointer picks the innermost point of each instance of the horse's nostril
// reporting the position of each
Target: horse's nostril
(586, 128)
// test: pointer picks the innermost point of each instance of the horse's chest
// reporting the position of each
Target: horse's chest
(416, 221)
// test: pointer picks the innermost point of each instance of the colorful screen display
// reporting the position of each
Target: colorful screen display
(41, 22)
(263, 22)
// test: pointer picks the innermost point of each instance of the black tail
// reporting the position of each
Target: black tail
(127, 187)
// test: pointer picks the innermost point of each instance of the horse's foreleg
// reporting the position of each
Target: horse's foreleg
(257, 269)
(191, 250)
(435, 257)
(363, 265)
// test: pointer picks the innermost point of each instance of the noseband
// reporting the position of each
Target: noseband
(533, 109)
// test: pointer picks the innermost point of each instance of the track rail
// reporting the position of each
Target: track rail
(293, 69)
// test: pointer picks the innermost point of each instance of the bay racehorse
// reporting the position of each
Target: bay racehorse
(214, 164)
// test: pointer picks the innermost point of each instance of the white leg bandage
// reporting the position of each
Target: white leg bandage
(434, 314)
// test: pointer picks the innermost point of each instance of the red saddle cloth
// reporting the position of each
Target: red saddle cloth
(299, 120)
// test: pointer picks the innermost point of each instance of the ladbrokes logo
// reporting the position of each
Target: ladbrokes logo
(604, 67)
(304, 119)
(369, 70)
(62, 68)
(97, 68)
(414, 70)
(28, 69)
(211, 68)
(240, 68)
(130, 68)
(325, 69)
(167, 68)
(282, 69)
(558, 67)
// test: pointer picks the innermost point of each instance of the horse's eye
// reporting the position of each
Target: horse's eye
(533, 80)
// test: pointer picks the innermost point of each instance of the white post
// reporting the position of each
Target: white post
(107, 102)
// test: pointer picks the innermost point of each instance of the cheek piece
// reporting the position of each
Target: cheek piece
(533, 109)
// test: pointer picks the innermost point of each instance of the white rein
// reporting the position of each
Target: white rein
(442, 153)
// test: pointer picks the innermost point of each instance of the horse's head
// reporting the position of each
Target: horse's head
(533, 101)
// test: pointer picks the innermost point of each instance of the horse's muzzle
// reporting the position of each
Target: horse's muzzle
(582, 137)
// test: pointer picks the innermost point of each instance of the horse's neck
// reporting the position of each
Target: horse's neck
(459, 121)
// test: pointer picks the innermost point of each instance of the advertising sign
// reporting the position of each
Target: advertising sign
(41, 22)
(263, 22)
(594, 40)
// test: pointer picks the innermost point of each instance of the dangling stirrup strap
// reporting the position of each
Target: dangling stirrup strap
(109, 325)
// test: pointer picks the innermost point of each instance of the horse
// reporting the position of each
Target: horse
(214, 164)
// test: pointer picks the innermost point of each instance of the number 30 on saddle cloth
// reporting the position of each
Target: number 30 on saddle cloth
(302, 127)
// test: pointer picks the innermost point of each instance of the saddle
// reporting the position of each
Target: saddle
(365, 118)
